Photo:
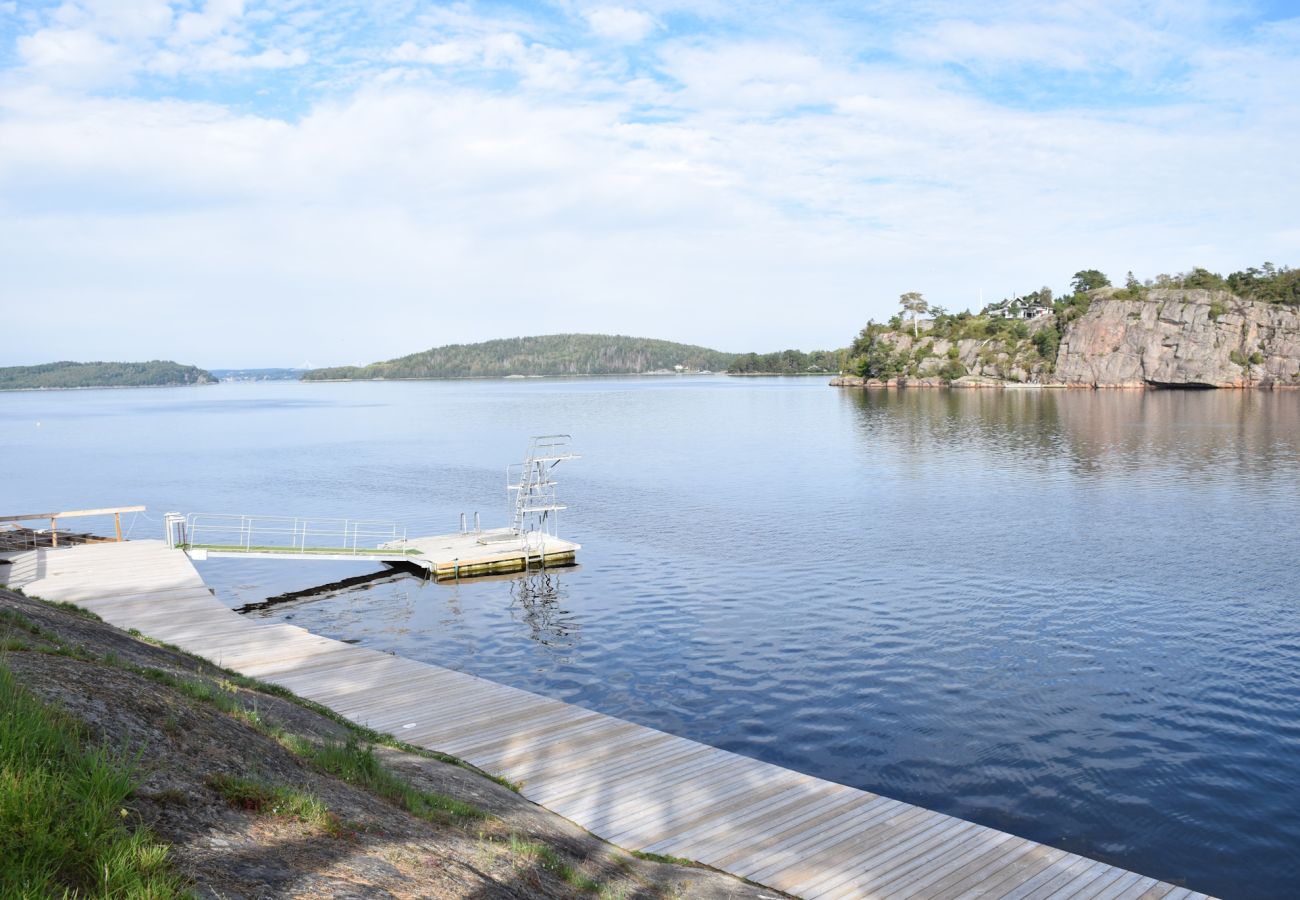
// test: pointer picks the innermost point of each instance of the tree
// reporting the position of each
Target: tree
(914, 303)
(1088, 280)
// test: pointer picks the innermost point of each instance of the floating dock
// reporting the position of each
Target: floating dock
(492, 552)
(444, 556)
(634, 786)
(532, 539)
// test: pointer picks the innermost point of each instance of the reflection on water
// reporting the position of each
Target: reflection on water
(1067, 614)
(536, 602)
(1186, 432)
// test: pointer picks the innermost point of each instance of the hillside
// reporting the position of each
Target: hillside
(554, 354)
(1196, 329)
(155, 373)
(1161, 337)
(134, 770)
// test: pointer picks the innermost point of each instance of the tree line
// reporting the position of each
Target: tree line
(789, 362)
(155, 373)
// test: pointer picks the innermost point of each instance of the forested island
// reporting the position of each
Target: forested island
(579, 354)
(65, 375)
(1196, 329)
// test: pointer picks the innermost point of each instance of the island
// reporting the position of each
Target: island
(580, 354)
(68, 375)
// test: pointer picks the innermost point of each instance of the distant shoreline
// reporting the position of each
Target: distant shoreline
(569, 375)
(105, 387)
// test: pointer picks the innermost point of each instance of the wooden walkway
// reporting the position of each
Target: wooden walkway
(634, 786)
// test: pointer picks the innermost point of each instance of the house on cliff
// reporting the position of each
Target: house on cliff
(1019, 308)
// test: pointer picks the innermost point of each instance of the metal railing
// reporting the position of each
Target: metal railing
(283, 534)
(50, 538)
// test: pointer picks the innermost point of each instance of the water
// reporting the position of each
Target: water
(1071, 616)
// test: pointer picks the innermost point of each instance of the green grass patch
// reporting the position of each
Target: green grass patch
(549, 859)
(357, 764)
(71, 608)
(63, 823)
(277, 800)
(664, 858)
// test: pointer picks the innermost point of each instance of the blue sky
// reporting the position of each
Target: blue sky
(240, 183)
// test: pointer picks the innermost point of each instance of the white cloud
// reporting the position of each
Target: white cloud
(511, 169)
(105, 43)
(216, 17)
(617, 23)
(72, 57)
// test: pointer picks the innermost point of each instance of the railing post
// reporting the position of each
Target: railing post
(54, 532)
(117, 523)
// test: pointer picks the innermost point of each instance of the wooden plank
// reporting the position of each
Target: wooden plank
(739, 807)
(559, 730)
(1139, 888)
(636, 785)
(1016, 873)
(590, 750)
(802, 822)
(947, 860)
(1102, 886)
(838, 864)
(630, 778)
(789, 861)
(669, 809)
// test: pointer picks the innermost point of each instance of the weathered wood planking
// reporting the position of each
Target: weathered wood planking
(636, 786)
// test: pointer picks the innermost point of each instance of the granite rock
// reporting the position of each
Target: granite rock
(1181, 338)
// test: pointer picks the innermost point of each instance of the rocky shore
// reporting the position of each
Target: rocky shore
(240, 790)
(1169, 338)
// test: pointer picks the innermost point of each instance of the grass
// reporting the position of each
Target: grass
(72, 608)
(356, 764)
(664, 858)
(63, 822)
(194, 688)
(277, 800)
(551, 861)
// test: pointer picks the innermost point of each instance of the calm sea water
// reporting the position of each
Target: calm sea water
(1071, 616)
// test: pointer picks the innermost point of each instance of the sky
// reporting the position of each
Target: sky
(241, 183)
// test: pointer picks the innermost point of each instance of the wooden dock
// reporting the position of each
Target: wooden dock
(444, 556)
(634, 786)
(491, 552)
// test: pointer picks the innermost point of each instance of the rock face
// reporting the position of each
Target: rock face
(1182, 338)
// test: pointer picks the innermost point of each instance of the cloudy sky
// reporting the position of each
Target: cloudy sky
(281, 182)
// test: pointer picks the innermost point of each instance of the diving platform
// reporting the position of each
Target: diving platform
(494, 552)
(532, 539)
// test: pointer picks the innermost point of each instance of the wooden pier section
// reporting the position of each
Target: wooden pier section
(637, 787)
(445, 557)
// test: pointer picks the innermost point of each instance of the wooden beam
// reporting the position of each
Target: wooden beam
(108, 511)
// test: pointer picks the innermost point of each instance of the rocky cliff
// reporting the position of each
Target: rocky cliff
(1182, 338)
(1168, 338)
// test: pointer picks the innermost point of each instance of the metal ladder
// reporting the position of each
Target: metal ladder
(536, 506)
